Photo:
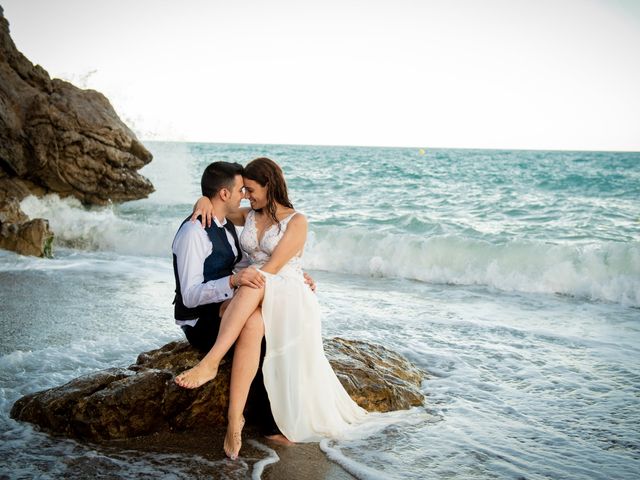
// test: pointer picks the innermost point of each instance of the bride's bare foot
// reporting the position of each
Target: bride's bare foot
(233, 438)
(279, 439)
(197, 376)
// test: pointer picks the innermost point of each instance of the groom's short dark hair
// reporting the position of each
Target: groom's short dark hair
(219, 175)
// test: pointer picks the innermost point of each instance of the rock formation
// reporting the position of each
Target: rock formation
(143, 399)
(57, 138)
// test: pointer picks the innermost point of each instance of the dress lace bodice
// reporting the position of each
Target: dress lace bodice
(260, 252)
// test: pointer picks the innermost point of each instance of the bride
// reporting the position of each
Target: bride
(307, 399)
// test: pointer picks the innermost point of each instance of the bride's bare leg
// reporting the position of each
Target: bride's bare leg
(244, 302)
(246, 358)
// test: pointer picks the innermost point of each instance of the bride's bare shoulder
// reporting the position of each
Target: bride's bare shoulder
(298, 219)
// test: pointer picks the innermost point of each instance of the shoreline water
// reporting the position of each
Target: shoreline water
(525, 382)
(300, 461)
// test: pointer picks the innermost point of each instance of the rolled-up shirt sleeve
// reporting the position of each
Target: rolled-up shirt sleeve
(191, 247)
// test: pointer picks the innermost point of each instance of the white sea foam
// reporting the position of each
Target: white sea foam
(35, 370)
(100, 228)
(374, 426)
(356, 469)
(608, 271)
(258, 467)
(604, 271)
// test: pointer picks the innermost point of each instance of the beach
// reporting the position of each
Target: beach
(511, 277)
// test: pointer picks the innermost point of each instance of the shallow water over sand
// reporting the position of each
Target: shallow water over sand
(529, 328)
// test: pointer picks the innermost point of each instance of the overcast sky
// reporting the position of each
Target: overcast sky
(540, 74)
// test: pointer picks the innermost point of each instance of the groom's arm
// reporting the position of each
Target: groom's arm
(191, 247)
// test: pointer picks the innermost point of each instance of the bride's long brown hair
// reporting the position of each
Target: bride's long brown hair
(269, 174)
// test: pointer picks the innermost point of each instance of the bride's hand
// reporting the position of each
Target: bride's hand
(204, 208)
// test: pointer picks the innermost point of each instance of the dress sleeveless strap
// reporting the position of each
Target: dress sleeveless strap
(286, 219)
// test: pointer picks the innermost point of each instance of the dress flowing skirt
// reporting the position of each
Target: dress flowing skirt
(307, 399)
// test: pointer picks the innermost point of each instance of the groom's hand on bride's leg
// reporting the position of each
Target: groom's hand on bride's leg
(249, 277)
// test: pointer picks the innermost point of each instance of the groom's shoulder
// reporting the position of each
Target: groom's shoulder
(190, 236)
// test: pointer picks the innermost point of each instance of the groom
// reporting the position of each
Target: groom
(204, 260)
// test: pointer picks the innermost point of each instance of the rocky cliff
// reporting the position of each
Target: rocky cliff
(143, 399)
(57, 138)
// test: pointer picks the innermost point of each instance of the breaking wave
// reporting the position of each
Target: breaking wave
(607, 271)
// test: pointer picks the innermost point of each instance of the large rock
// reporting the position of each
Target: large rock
(57, 138)
(143, 399)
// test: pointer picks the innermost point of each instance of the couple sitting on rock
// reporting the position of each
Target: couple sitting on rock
(232, 290)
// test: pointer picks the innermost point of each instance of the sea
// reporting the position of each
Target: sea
(512, 278)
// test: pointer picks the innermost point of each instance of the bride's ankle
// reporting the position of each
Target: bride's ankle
(235, 420)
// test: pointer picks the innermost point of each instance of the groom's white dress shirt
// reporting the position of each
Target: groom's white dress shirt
(191, 247)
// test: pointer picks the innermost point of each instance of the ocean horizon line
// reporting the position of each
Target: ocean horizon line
(416, 147)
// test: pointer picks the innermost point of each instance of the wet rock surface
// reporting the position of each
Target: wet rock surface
(143, 399)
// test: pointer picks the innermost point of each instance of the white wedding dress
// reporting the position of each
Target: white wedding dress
(307, 400)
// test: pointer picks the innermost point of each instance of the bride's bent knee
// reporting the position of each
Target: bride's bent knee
(245, 291)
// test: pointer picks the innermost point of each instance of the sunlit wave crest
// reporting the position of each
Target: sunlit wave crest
(605, 271)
